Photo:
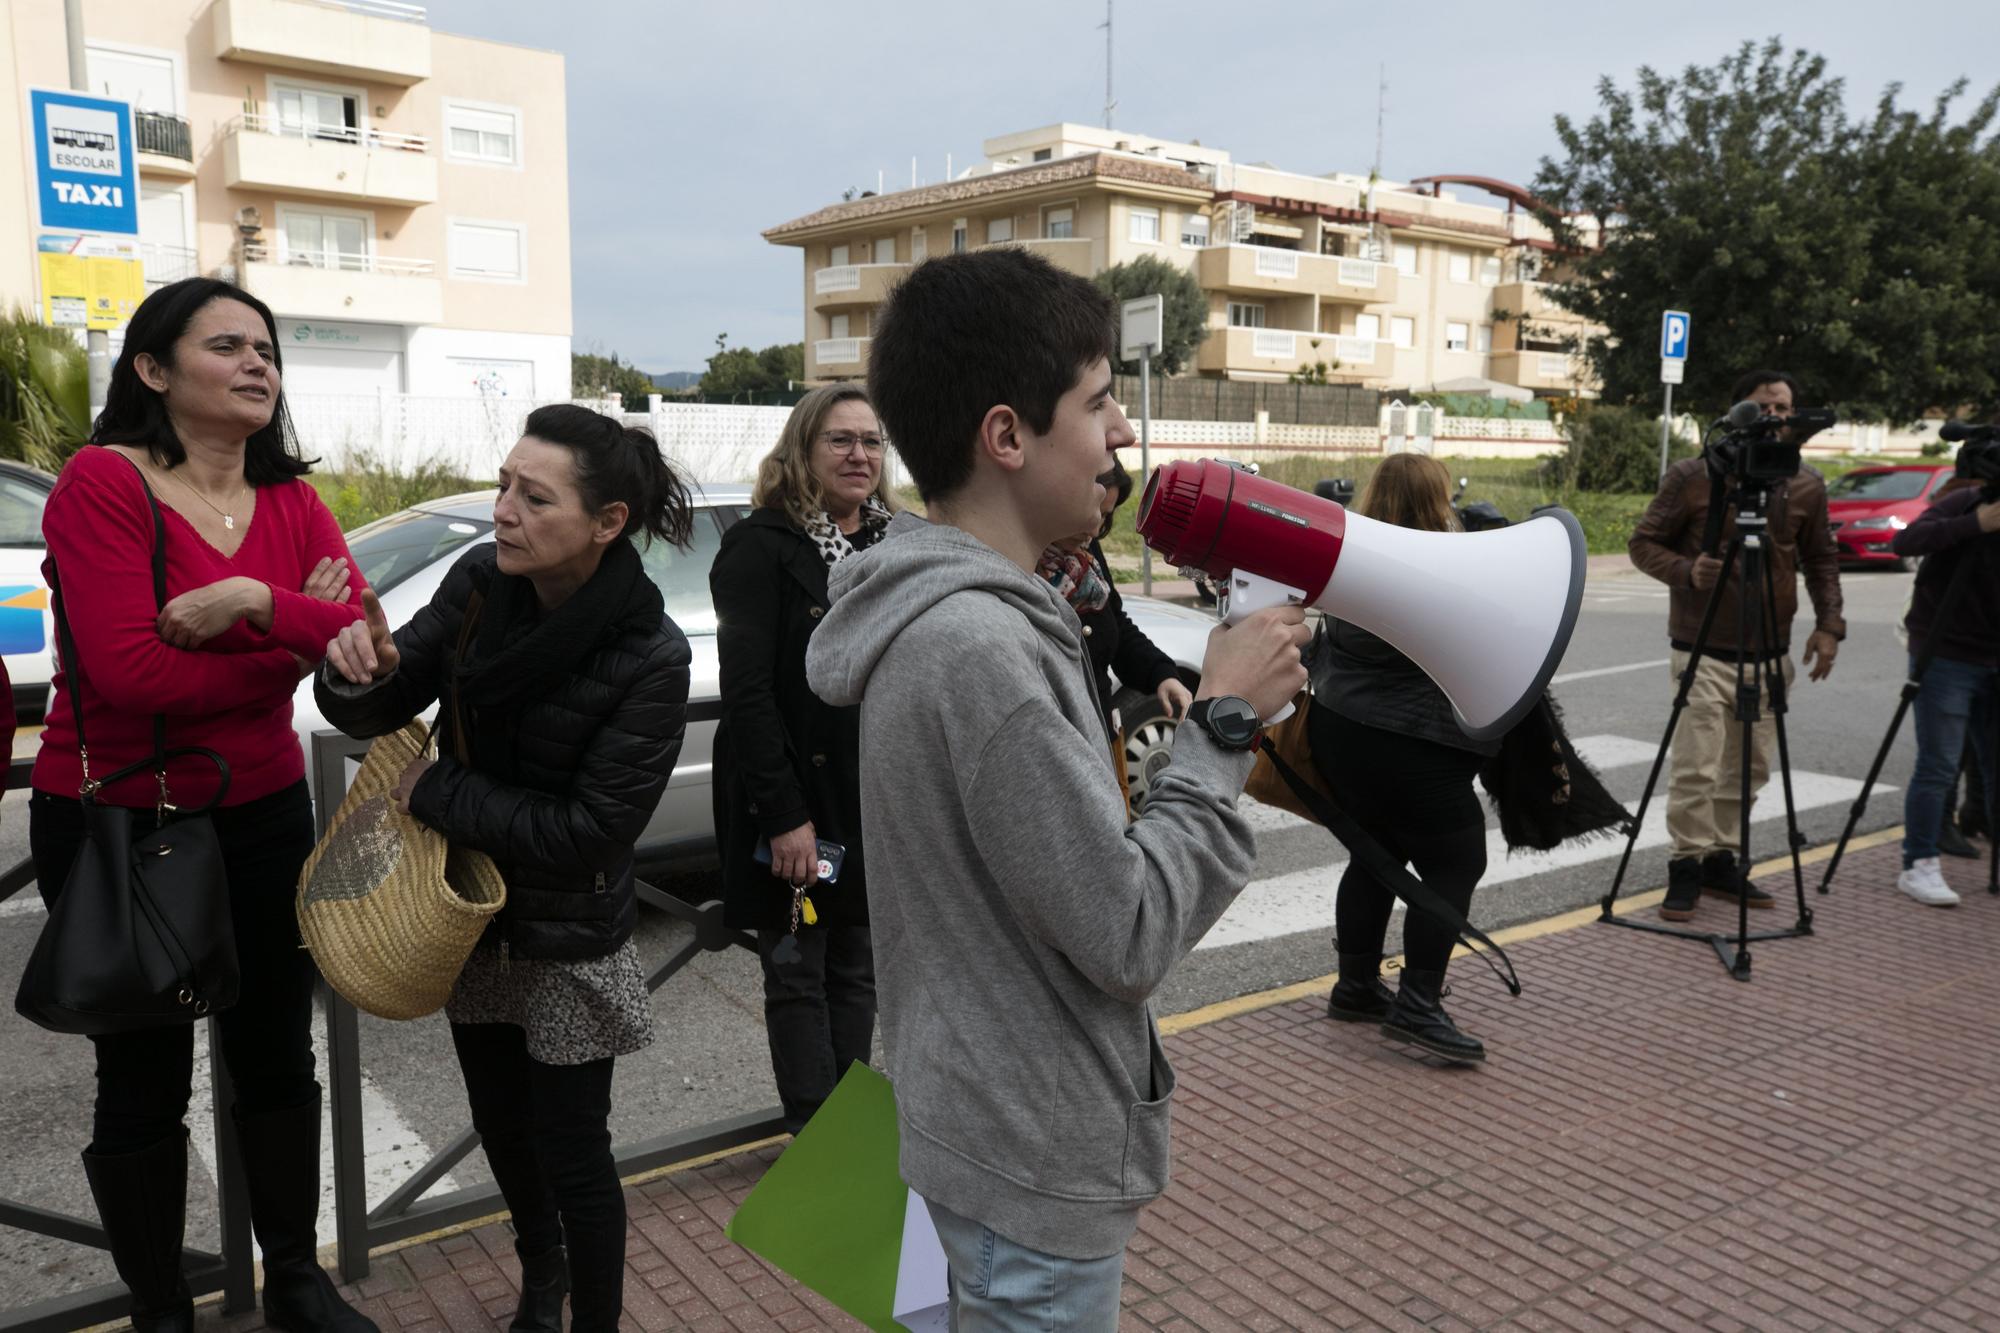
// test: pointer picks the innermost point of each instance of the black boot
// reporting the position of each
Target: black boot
(544, 1283)
(1683, 889)
(1719, 876)
(1418, 1018)
(1359, 994)
(281, 1169)
(142, 1200)
(1953, 843)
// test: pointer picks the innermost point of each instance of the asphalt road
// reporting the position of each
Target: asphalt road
(709, 1057)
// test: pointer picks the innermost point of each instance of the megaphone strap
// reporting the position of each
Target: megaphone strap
(1413, 891)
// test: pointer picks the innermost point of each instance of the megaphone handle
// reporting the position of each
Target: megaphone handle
(1246, 594)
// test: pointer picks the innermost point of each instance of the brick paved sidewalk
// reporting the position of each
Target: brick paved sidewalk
(1651, 1145)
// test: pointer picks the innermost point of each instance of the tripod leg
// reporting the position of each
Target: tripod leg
(1747, 703)
(1780, 704)
(1673, 720)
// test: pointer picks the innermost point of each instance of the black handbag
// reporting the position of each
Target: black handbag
(140, 936)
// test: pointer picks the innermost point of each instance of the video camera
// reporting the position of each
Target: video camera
(1979, 452)
(1747, 446)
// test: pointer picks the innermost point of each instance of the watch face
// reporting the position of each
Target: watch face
(1232, 721)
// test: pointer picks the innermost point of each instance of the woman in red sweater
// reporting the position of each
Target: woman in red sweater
(258, 579)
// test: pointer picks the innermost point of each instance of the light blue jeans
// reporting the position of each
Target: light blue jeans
(1955, 705)
(998, 1286)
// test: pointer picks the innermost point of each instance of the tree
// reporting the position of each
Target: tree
(1186, 308)
(594, 376)
(1798, 240)
(44, 393)
(734, 370)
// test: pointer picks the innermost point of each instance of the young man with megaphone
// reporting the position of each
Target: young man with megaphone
(1021, 920)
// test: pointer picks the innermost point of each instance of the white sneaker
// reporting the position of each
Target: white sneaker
(1925, 882)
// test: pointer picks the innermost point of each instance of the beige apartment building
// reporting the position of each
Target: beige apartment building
(398, 196)
(1398, 287)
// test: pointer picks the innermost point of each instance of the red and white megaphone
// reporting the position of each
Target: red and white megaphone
(1486, 615)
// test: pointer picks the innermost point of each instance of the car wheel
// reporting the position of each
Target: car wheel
(1149, 746)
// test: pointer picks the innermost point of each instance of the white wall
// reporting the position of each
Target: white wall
(453, 362)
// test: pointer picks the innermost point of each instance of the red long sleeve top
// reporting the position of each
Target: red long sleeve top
(233, 694)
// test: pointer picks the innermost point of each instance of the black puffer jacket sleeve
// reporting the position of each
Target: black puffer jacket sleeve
(425, 647)
(1139, 663)
(620, 775)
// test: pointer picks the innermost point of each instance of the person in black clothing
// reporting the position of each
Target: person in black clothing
(1116, 646)
(562, 690)
(1389, 747)
(787, 766)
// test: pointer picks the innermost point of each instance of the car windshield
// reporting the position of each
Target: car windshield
(1898, 485)
(683, 575)
(393, 549)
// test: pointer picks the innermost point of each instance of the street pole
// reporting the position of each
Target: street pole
(96, 342)
(1666, 428)
(1145, 455)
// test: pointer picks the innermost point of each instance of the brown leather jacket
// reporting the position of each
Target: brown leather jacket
(1669, 535)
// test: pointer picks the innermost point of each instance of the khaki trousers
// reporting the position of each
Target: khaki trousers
(1704, 784)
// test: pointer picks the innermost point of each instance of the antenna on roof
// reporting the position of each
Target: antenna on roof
(1378, 236)
(1110, 103)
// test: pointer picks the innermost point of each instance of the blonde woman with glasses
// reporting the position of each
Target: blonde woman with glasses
(787, 766)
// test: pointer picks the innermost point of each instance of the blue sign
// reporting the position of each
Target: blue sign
(1675, 326)
(86, 178)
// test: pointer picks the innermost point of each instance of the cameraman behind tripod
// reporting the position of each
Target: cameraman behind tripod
(1956, 700)
(1674, 544)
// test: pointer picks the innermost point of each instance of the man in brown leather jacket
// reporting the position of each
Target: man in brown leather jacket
(1704, 803)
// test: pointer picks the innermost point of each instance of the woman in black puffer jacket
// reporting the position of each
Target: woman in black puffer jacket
(564, 686)
(1389, 747)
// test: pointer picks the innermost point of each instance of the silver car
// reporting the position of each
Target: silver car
(404, 558)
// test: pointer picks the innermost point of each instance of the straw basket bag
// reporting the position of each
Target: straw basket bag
(390, 910)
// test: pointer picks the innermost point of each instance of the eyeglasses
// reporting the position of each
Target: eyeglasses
(843, 441)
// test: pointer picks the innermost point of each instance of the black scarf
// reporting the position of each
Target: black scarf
(520, 653)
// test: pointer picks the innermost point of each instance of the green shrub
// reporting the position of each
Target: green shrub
(44, 393)
(1611, 449)
(366, 489)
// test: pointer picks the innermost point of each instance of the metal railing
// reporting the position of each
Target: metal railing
(167, 263)
(256, 122)
(166, 135)
(406, 1213)
(229, 1272)
(259, 252)
(380, 9)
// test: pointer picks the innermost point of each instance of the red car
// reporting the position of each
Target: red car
(1869, 505)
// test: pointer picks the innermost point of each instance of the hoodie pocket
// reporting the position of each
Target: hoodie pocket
(1147, 1126)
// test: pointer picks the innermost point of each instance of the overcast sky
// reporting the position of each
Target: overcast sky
(694, 126)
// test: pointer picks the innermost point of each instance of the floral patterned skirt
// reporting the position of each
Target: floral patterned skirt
(572, 1012)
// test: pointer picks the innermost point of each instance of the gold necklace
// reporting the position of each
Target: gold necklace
(228, 517)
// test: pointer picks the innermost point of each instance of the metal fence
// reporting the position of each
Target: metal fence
(1193, 399)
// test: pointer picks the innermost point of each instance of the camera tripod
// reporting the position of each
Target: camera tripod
(1961, 579)
(1758, 668)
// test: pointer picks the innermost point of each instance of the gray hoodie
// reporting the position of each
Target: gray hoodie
(1020, 920)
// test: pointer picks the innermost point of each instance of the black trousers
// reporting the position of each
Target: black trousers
(144, 1078)
(819, 1011)
(1416, 798)
(547, 1134)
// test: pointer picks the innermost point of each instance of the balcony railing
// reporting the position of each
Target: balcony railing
(258, 123)
(166, 263)
(166, 135)
(257, 252)
(839, 278)
(839, 351)
(380, 9)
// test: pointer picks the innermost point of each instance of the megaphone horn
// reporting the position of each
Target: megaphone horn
(1486, 615)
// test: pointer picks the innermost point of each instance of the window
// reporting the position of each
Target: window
(487, 135)
(1456, 336)
(836, 257)
(1489, 271)
(1245, 315)
(489, 251)
(885, 249)
(1059, 223)
(1402, 331)
(149, 82)
(21, 513)
(682, 575)
(836, 326)
(920, 245)
(316, 113)
(393, 549)
(1406, 259)
(1044, 154)
(1482, 339)
(1194, 230)
(999, 229)
(1368, 327)
(959, 239)
(1460, 266)
(1145, 225)
(324, 239)
(1527, 266)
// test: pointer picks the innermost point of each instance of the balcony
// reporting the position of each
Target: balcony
(837, 359)
(1081, 255)
(330, 286)
(1530, 300)
(1266, 352)
(166, 263)
(855, 284)
(166, 147)
(1539, 370)
(378, 41)
(322, 162)
(1268, 270)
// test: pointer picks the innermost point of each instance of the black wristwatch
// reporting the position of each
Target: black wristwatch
(1231, 722)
